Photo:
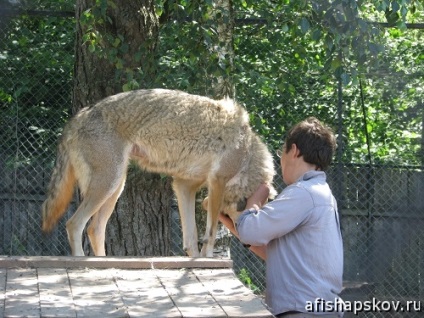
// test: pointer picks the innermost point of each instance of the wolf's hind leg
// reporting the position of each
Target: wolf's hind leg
(101, 187)
(185, 191)
(91, 203)
(97, 228)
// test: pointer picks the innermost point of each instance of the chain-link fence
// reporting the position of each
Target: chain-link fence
(36, 60)
(381, 205)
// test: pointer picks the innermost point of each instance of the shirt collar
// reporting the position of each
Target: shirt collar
(312, 174)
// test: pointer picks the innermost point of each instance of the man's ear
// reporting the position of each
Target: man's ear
(296, 152)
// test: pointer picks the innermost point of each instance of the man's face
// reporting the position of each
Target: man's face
(287, 163)
(283, 161)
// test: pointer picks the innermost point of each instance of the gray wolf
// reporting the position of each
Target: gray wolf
(198, 141)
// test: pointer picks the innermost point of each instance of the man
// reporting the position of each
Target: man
(298, 234)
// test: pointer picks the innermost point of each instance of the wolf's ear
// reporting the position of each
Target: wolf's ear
(205, 204)
(241, 205)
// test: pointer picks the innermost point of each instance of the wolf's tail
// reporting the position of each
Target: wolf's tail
(60, 190)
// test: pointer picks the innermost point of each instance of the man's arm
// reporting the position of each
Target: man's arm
(256, 200)
(226, 220)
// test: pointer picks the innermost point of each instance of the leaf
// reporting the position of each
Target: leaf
(316, 35)
(345, 79)
(304, 25)
(137, 56)
(116, 42)
(119, 64)
(91, 47)
(335, 63)
(395, 6)
(126, 87)
(112, 4)
(375, 49)
(401, 25)
(339, 71)
(391, 17)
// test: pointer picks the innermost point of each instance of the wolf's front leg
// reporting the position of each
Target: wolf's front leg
(185, 190)
(209, 242)
(214, 202)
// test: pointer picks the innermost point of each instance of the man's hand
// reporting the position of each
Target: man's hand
(228, 222)
(256, 200)
(259, 197)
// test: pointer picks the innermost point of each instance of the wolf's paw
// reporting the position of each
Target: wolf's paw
(192, 252)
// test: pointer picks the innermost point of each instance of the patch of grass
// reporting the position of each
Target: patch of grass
(244, 277)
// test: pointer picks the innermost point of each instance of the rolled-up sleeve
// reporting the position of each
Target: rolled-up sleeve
(275, 219)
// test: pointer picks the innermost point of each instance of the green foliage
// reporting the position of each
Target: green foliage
(106, 34)
(289, 58)
(244, 277)
(36, 59)
(290, 63)
(186, 59)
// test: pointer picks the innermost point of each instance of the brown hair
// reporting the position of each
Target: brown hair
(315, 141)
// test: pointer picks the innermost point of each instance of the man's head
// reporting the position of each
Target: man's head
(315, 141)
(309, 142)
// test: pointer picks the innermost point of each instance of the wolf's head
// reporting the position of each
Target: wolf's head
(257, 168)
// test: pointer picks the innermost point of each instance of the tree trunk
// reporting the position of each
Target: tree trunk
(123, 43)
(115, 43)
(223, 15)
(140, 224)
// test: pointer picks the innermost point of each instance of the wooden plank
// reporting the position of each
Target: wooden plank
(126, 293)
(172, 262)
(189, 295)
(143, 294)
(55, 293)
(235, 299)
(95, 294)
(22, 298)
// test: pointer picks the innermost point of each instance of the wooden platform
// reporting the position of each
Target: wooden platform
(123, 287)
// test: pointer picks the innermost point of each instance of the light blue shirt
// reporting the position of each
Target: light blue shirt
(301, 229)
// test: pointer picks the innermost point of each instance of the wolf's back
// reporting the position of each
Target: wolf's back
(60, 190)
(148, 114)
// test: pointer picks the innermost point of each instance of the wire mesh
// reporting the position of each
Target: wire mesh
(35, 93)
(381, 205)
